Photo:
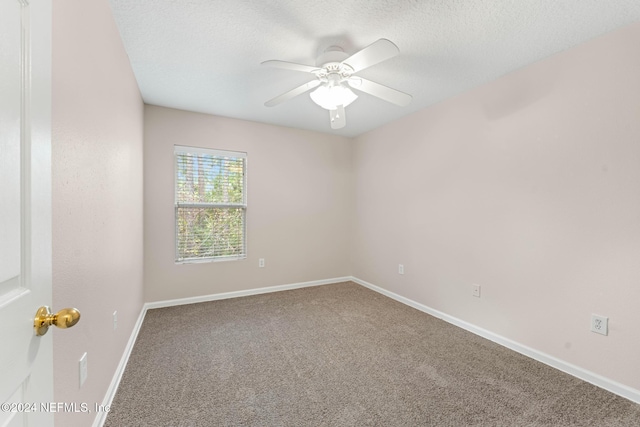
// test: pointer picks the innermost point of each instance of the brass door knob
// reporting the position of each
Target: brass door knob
(65, 318)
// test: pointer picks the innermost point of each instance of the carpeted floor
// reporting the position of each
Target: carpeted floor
(340, 355)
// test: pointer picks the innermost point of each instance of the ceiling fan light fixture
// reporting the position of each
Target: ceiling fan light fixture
(330, 96)
(334, 76)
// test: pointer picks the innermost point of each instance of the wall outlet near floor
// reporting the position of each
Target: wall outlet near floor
(83, 368)
(599, 324)
(115, 320)
(400, 269)
(475, 290)
(261, 262)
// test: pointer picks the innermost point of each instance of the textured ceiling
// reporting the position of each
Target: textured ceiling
(205, 55)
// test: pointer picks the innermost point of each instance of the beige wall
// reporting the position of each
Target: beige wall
(97, 198)
(299, 205)
(528, 186)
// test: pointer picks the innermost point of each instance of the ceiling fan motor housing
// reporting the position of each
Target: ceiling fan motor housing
(333, 70)
(331, 54)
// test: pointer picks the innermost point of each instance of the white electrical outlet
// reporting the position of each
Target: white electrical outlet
(599, 324)
(400, 269)
(115, 320)
(83, 368)
(475, 290)
(261, 262)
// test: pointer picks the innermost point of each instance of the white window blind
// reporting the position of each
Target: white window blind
(210, 204)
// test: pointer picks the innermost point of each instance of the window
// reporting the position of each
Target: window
(210, 204)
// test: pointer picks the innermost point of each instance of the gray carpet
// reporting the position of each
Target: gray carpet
(340, 355)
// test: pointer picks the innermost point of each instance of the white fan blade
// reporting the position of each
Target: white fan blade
(380, 91)
(291, 66)
(337, 117)
(376, 52)
(292, 93)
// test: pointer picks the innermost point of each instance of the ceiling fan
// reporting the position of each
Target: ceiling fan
(335, 77)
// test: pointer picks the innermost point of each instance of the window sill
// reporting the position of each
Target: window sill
(206, 260)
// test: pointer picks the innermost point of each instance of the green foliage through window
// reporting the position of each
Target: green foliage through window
(210, 204)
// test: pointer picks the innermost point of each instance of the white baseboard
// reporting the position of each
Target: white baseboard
(115, 382)
(576, 371)
(236, 294)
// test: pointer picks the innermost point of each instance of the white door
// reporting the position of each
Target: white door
(26, 371)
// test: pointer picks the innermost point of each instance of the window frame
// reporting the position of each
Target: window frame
(177, 149)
